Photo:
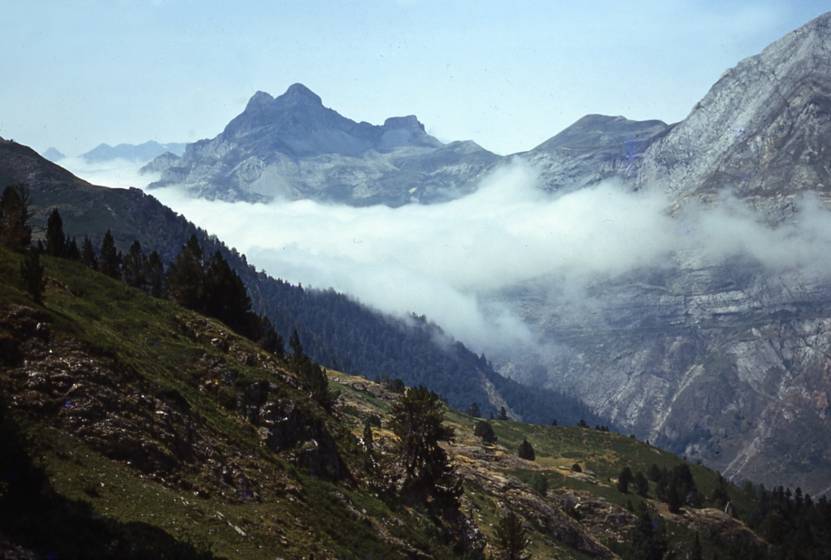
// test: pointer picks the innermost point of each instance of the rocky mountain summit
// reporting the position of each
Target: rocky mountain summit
(595, 148)
(725, 361)
(292, 146)
(763, 130)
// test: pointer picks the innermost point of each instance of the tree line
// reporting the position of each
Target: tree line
(206, 285)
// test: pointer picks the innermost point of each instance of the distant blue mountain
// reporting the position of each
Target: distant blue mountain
(133, 152)
(53, 154)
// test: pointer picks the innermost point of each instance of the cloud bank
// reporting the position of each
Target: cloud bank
(450, 261)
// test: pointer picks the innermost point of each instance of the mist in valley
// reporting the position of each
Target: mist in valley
(458, 262)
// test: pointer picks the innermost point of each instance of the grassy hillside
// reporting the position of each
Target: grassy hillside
(161, 432)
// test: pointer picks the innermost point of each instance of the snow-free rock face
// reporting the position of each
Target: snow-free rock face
(763, 130)
(725, 361)
(595, 148)
(294, 147)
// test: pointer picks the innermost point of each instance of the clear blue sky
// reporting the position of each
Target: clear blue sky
(506, 74)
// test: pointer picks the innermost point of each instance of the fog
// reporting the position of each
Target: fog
(449, 261)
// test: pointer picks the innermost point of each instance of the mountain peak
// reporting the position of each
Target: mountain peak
(410, 122)
(259, 99)
(299, 93)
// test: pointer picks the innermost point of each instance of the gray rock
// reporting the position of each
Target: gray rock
(724, 362)
(293, 147)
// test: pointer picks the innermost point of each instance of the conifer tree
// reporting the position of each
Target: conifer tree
(417, 420)
(88, 254)
(484, 430)
(624, 479)
(526, 451)
(55, 238)
(31, 271)
(269, 339)
(15, 232)
(154, 275)
(674, 499)
(641, 484)
(134, 266)
(296, 346)
(647, 537)
(503, 414)
(225, 296)
(109, 261)
(473, 410)
(511, 537)
(186, 277)
(72, 251)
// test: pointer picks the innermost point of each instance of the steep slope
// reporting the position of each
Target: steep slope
(763, 130)
(294, 147)
(724, 361)
(329, 322)
(150, 422)
(595, 148)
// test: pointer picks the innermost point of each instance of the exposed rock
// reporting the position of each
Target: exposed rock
(725, 362)
(294, 147)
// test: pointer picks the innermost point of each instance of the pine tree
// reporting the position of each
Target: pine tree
(88, 254)
(484, 430)
(624, 479)
(154, 275)
(417, 420)
(314, 379)
(31, 271)
(225, 296)
(296, 346)
(526, 451)
(367, 437)
(511, 537)
(674, 499)
(503, 414)
(72, 251)
(109, 261)
(55, 238)
(720, 495)
(186, 277)
(473, 410)
(641, 485)
(269, 339)
(647, 538)
(15, 232)
(134, 266)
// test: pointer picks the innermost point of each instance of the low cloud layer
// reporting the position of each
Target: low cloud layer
(448, 260)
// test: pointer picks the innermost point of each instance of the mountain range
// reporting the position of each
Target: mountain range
(722, 361)
(132, 152)
(293, 147)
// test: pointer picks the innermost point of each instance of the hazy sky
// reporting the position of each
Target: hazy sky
(506, 74)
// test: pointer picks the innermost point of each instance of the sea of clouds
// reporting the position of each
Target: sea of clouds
(450, 261)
